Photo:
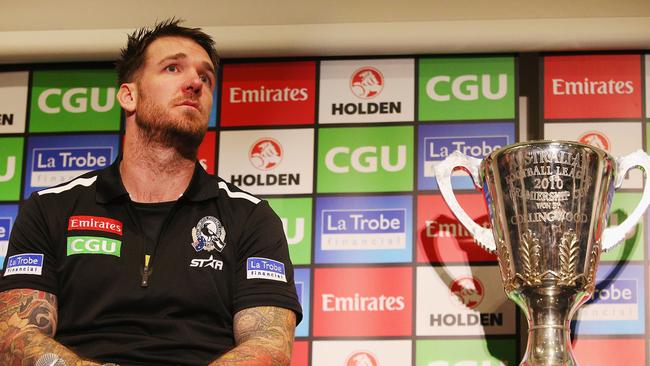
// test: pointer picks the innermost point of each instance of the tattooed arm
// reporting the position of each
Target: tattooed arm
(264, 337)
(27, 324)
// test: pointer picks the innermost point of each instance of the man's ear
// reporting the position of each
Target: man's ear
(127, 95)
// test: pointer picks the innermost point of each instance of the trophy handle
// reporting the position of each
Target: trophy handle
(443, 171)
(615, 234)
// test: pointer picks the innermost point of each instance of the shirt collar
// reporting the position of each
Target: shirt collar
(203, 186)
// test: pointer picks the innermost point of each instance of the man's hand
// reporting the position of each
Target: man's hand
(264, 337)
(27, 324)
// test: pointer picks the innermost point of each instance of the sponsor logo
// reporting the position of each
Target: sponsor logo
(28, 263)
(478, 88)
(208, 235)
(621, 291)
(438, 148)
(366, 159)
(366, 82)
(51, 166)
(370, 159)
(268, 93)
(302, 279)
(206, 151)
(363, 229)
(468, 291)
(298, 232)
(95, 223)
(358, 303)
(467, 87)
(273, 164)
(93, 245)
(361, 358)
(74, 101)
(595, 138)
(264, 268)
(376, 303)
(592, 86)
(209, 262)
(7, 216)
(265, 154)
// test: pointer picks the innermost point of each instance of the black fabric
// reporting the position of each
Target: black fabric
(151, 218)
(93, 254)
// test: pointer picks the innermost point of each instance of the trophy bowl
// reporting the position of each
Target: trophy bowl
(548, 203)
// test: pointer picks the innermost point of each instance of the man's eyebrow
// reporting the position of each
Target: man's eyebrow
(173, 57)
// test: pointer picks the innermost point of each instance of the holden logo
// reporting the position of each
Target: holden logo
(468, 291)
(367, 82)
(595, 138)
(265, 154)
(362, 358)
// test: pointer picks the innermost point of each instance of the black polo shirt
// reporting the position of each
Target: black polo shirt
(220, 250)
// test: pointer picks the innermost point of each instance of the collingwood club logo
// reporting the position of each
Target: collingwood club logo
(265, 154)
(595, 138)
(208, 235)
(367, 82)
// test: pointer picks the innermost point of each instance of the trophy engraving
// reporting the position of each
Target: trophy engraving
(549, 203)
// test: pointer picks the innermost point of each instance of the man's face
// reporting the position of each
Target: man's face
(175, 87)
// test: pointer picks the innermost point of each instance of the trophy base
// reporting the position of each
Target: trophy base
(549, 310)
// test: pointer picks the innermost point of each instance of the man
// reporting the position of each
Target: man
(150, 261)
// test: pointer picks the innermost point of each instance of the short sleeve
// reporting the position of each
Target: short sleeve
(264, 276)
(30, 261)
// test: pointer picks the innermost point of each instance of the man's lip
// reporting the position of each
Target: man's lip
(191, 104)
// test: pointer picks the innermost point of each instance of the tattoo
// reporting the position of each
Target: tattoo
(28, 321)
(264, 336)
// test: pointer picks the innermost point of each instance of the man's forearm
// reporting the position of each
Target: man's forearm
(28, 345)
(264, 337)
(27, 326)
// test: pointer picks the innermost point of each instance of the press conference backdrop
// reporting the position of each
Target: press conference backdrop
(344, 150)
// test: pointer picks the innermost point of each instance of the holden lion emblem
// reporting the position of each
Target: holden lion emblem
(361, 358)
(208, 235)
(367, 82)
(265, 154)
(468, 291)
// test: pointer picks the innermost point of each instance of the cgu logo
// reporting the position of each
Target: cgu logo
(75, 100)
(10, 171)
(595, 138)
(265, 154)
(362, 358)
(93, 245)
(469, 291)
(299, 233)
(466, 87)
(364, 159)
(465, 363)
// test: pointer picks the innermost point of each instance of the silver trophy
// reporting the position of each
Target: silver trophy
(549, 203)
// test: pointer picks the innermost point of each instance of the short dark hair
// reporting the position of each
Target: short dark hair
(133, 55)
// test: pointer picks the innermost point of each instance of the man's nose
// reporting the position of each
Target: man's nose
(194, 83)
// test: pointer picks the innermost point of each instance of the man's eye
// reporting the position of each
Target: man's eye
(205, 79)
(171, 68)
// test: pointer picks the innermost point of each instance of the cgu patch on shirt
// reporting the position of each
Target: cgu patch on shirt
(264, 268)
(27, 263)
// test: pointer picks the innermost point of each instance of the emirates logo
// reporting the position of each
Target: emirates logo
(367, 82)
(362, 358)
(468, 291)
(595, 138)
(265, 154)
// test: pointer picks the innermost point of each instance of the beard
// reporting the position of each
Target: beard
(183, 133)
